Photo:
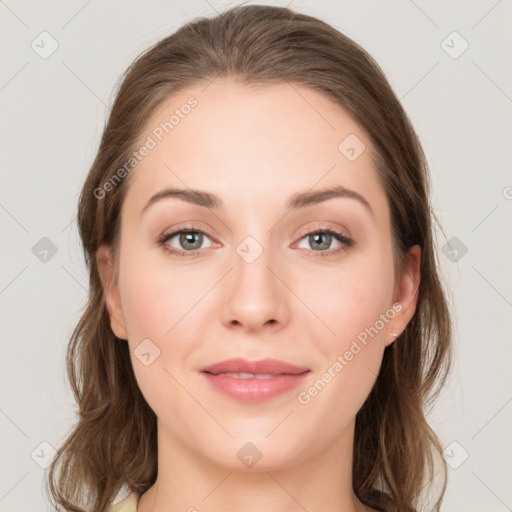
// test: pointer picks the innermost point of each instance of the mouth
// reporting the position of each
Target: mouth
(254, 381)
(262, 367)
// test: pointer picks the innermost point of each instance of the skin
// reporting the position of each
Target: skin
(254, 147)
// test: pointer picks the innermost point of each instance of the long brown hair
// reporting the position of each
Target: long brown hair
(114, 440)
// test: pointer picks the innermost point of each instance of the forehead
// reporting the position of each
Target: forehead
(249, 144)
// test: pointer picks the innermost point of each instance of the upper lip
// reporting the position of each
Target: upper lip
(263, 366)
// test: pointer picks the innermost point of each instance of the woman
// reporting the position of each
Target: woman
(266, 324)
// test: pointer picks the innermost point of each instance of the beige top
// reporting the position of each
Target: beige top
(129, 504)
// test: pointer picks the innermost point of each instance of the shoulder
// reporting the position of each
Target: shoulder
(128, 504)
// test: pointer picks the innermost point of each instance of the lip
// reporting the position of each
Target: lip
(263, 366)
(254, 390)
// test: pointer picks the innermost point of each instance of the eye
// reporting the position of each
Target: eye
(189, 241)
(322, 239)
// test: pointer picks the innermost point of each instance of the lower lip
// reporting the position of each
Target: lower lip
(254, 390)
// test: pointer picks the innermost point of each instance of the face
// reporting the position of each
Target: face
(269, 268)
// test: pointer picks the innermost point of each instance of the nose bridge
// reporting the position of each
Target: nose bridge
(255, 295)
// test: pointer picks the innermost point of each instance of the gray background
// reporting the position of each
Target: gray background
(53, 111)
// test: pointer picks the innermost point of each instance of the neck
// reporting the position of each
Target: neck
(188, 481)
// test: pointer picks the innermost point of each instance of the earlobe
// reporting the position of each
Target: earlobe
(406, 294)
(106, 269)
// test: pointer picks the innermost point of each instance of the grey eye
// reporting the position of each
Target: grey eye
(187, 240)
(320, 240)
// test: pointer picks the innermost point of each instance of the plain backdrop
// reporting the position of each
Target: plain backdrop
(449, 63)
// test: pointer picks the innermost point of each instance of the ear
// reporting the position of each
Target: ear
(106, 269)
(406, 294)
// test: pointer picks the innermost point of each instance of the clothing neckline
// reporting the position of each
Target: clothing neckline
(128, 504)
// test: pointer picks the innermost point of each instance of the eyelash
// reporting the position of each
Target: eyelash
(340, 237)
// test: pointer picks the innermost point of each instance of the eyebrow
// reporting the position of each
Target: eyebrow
(296, 201)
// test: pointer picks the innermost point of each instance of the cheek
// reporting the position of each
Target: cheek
(156, 296)
(354, 305)
(347, 299)
(156, 306)
(164, 304)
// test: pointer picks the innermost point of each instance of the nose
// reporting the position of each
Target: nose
(255, 294)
